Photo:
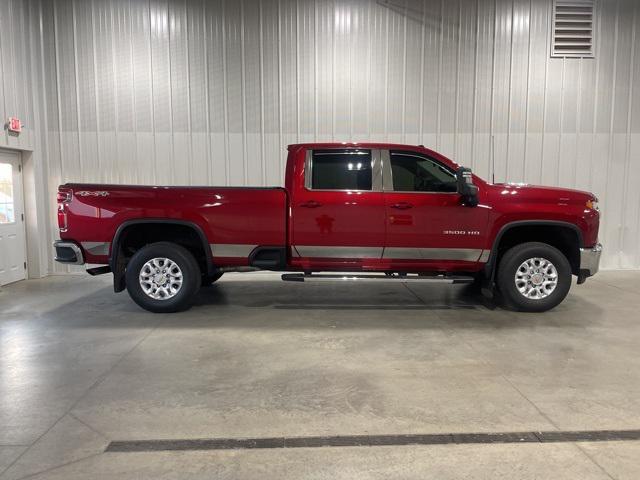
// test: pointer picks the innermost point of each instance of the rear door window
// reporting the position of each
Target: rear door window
(341, 170)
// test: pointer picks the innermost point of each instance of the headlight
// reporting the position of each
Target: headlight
(593, 204)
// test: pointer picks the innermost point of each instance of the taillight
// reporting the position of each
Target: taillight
(63, 199)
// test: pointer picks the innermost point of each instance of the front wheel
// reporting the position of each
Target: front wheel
(163, 277)
(534, 277)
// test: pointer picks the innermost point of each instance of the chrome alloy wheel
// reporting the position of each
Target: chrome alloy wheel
(160, 278)
(536, 278)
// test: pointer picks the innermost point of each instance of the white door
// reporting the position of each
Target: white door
(12, 233)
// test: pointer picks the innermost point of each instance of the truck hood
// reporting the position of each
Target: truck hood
(526, 192)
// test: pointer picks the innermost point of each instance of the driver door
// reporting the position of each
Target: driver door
(426, 223)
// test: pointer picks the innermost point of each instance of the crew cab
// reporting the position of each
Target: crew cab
(381, 212)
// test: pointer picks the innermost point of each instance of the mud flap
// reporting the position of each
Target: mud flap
(118, 264)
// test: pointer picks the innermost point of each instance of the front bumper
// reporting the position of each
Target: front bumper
(589, 262)
(68, 252)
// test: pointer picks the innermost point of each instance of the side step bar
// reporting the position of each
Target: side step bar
(373, 277)
(99, 270)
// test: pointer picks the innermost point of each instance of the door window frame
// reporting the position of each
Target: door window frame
(387, 173)
(376, 171)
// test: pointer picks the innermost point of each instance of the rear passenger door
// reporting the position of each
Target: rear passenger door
(338, 217)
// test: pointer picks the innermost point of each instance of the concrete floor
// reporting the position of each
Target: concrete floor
(81, 366)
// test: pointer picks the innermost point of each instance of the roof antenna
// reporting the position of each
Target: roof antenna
(493, 160)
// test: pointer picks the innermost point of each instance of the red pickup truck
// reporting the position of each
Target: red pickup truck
(384, 212)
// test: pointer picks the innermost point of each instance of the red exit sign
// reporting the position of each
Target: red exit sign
(14, 126)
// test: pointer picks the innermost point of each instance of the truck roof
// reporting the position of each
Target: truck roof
(355, 144)
(387, 146)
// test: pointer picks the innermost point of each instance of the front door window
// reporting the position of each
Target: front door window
(414, 173)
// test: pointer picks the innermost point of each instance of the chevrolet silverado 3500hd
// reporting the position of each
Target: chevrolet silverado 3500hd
(382, 211)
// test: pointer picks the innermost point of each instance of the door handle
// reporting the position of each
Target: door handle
(311, 204)
(402, 206)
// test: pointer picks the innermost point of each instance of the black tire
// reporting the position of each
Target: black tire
(191, 277)
(516, 256)
(208, 280)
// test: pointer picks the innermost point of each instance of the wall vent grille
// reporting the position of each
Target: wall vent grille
(572, 32)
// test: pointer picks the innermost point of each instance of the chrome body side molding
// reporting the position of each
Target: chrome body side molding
(403, 253)
(462, 254)
(231, 249)
(329, 251)
(96, 248)
(337, 252)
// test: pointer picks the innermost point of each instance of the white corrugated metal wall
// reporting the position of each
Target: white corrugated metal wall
(211, 92)
(15, 74)
(21, 76)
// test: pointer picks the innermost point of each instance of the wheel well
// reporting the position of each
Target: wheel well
(133, 237)
(563, 238)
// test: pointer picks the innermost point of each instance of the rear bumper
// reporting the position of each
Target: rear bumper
(68, 252)
(589, 261)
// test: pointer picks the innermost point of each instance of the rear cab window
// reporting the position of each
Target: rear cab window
(348, 169)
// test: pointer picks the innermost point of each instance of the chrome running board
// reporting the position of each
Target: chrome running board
(374, 277)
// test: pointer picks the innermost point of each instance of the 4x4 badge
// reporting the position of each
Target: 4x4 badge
(92, 193)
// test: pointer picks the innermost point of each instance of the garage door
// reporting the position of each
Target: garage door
(12, 233)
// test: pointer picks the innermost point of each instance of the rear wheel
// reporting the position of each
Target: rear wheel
(163, 277)
(534, 277)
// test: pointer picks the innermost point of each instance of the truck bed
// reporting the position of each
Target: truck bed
(234, 219)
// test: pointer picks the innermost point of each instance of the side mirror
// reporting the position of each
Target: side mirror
(466, 188)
